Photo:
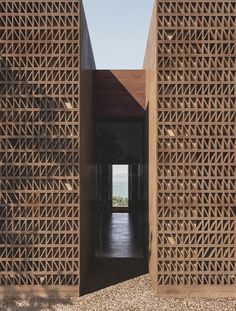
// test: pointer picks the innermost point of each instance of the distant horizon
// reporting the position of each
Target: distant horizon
(120, 169)
(118, 32)
(120, 183)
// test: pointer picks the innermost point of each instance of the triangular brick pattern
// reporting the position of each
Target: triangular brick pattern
(39, 142)
(196, 136)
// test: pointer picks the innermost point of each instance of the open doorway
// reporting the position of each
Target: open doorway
(120, 188)
(120, 201)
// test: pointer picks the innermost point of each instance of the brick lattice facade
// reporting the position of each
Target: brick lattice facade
(39, 142)
(196, 169)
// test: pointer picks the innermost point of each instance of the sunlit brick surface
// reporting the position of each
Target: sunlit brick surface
(196, 117)
(39, 142)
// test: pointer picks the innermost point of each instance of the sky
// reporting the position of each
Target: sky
(120, 170)
(118, 31)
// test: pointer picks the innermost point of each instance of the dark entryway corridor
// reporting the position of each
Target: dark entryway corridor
(120, 238)
(120, 227)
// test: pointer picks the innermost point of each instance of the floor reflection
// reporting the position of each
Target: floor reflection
(119, 238)
(119, 254)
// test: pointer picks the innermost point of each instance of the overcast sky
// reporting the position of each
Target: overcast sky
(118, 170)
(118, 31)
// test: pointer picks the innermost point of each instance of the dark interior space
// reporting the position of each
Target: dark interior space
(120, 213)
(120, 226)
(119, 142)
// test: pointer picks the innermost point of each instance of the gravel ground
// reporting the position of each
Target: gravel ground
(132, 295)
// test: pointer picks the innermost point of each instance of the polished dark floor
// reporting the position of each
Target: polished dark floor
(118, 238)
(119, 252)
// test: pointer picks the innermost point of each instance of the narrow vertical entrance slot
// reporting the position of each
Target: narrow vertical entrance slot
(121, 226)
(120, 189)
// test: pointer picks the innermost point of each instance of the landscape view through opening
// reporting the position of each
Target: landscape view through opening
(120, 185)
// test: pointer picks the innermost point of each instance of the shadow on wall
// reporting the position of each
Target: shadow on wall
(106, 272)
(14, 256)
(118, 93)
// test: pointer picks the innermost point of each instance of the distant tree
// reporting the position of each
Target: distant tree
(119, 202)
